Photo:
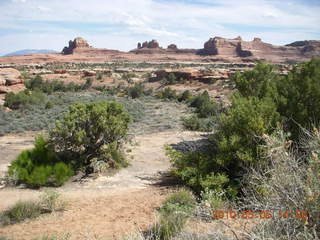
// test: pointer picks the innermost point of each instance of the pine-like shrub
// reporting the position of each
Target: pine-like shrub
(39, 166)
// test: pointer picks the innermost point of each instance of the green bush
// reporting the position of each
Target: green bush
(241, 129)
(287, 181)
(194, 123)
(34, 83)
(23, 99)
(200, 100)
(49, 87)
(259, 82)
(136, 91)
(173, 215)
(215, 197)
(182, 200)
(50, 201)
(167, 93)
(264, 100)
(20, 211)
(91, 130)
(39, 166)
(207, 109)
(233, 146)
(299, 99)
(128, 77)
(186, 96)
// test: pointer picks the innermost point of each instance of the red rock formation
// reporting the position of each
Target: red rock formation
(258, 49)
(9, 76)
(77, 43)
(152, 44)
(172, 47)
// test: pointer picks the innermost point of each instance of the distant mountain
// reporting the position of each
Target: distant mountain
(29, 51)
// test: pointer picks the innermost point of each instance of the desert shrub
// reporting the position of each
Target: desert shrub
(20, 211)
(88, 131)
(296, 95)
(23, 99)
(196, 169)
(241, 129)
(39, 166)
(300, 97)
(49, 105)
(200, 100)
(214, 197)
(259, 82)
(186, 96)
(136, 91)
(128, 77)
(24, 75)
(49, 87)
(167, 93)
(233, 146)
(207, 109)
(173, 215)
(34, 83)
(108, 90)
(194, 123)
(49, 201)
(169, 80)
(182, 200)
(99, 76)
(287, 183)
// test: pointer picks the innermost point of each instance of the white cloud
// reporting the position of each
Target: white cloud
(129, 21)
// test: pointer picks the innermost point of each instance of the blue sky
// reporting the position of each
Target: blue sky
(120, 24)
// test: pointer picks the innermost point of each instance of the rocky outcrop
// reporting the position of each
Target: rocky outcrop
(258, 49)
(172, 47)
(153, 47)
(9, 76)
(77, 43)
(309, 48)
(152, 44)
(191, 74)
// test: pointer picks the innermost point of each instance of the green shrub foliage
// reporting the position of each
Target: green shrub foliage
(241, 129)
(40, 166)
(49, 87)
(299, 99)
(19, 212)
(91, 130)
(173, 215)
(168, 93)
(259, 82)
(23, 99)
(136, 91)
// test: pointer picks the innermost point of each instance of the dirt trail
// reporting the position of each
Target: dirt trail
(106, 206)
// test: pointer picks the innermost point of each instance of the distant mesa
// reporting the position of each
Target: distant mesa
(172, 47)
(29, 51)
(76, 44)
(258, 49)
(152, 44)
(153, 47)
(81, 46)
(214, 50)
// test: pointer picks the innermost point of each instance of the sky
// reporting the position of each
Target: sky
(121, 24)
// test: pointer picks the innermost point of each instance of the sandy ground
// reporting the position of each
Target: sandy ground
(111, 207)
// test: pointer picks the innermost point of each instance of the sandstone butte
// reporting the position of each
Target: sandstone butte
(216, 49)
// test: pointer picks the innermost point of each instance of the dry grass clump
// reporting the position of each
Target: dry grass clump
(287, 181)
(49, 202)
